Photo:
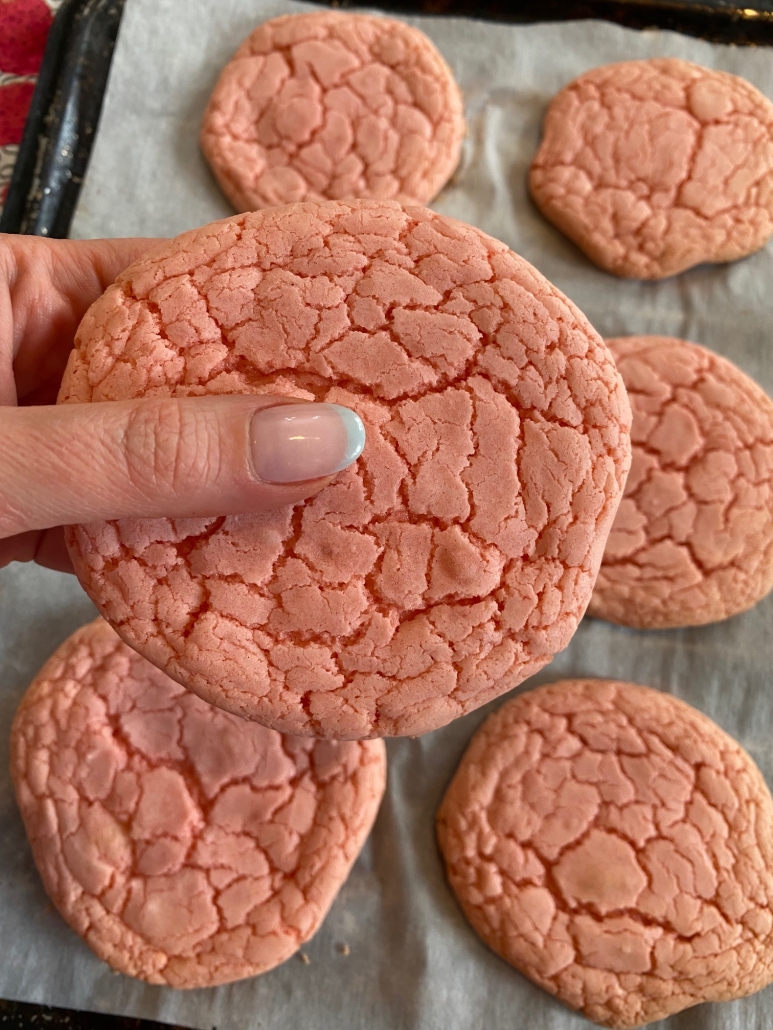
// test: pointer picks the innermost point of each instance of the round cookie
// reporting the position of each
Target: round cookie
(651, 167)
(692, 541)
(458, 554)
(333, 106)
(186, 846)
(616, 846)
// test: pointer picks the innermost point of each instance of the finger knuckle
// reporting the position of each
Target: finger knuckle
(153, 447)
(167, 452)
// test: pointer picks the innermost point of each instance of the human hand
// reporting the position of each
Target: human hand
(149, 458)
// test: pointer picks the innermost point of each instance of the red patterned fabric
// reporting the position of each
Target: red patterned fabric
(24, 26)
(14, 100)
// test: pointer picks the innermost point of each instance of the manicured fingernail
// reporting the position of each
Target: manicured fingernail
(294, 442)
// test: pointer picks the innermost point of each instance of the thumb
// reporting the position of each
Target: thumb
(154, 458)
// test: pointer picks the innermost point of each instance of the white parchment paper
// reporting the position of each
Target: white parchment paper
(413, 962)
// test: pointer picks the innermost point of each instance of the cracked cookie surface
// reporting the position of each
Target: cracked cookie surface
(454, 558)
(616, 846)
(692, 541)
(654, 166)
(333, 106)
(186, 846)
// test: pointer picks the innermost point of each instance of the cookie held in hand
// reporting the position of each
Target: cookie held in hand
(454, 558)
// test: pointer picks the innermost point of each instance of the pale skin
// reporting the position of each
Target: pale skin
(79, 463)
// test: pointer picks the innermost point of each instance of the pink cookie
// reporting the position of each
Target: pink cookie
(616, 846)
(652, 167)
(459, 553)
(186, 846)
(328, 105)
(693, 538)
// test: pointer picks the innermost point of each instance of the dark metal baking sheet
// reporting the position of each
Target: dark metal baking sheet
(63, 118)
